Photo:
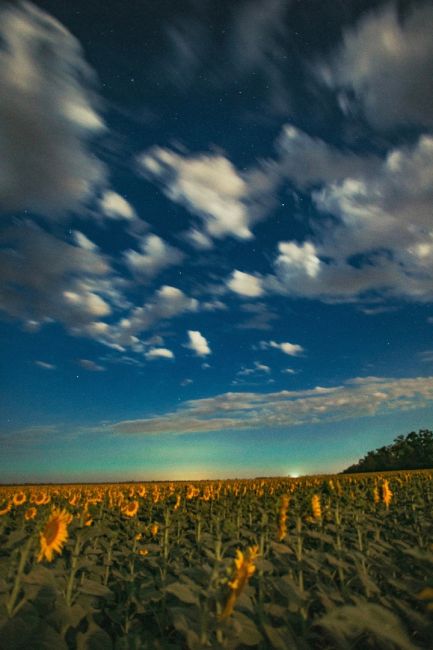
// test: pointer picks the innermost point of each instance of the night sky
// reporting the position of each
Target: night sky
(216, 242)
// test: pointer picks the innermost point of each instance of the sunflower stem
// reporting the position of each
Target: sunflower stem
(70, 585)
(108, 562)
(10, 605)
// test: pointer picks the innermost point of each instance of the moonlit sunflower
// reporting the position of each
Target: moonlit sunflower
(30, 513)
(386, 493)
(39, 498)
(54, 534)
(316, 507)
(130, 509)
(19, 498)
(282, 517)
(5, 509)
(243, 570)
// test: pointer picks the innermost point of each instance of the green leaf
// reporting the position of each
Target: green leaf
(282, 549)
(278, 637)
(181, 591)
(248, 632)
(15, 538)
(93, 588)
(349, 622)
(63, 616)
(40, 575)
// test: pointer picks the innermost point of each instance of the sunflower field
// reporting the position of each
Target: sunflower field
(311, 563)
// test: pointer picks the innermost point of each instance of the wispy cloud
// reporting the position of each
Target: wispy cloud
(90, 365)
(207, 185)
(45, 365)
(155, 256)
(159, 353)
(115, 206)
(359, 397)
(48, 114)
(245, 284)
(385, 66)
(292, 349)
(257, 368)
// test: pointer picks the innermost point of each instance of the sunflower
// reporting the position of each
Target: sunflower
(30, 513)
(39, 498)
(130, 509)
(243, 570)
(5, 509)
(386, 493)
(19, 498)
(316, 507)
(54, 535)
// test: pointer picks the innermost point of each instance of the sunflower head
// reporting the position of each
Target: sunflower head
(54, 534)
(130, 509)
(30, 513)
(316, 506)
(4, 508)
(19, 498)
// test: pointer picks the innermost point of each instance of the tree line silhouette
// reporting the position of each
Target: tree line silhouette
(413, 451)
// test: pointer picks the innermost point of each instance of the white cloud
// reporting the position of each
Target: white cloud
(298, 260)
(385, 65)
(45, 278)
(48, 113)
(207, 185)
(89, 302)
(84, 242)
(115, 206)
(168, 302)
(213, 305)
(198, 343)
(357, 398)
(90, 365)
(381, 211)
(159, 353)
(45, 365)
(198, 239)
(245, 284)
(156, 255)
(292, 349)
(308, 161)
(258, 367)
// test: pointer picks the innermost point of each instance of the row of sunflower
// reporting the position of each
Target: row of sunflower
(316, 562)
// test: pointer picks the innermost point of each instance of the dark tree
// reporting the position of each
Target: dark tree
(413, 451)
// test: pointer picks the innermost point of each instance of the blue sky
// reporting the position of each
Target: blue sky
(216, 236)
